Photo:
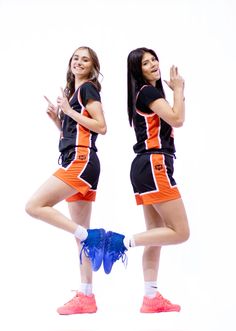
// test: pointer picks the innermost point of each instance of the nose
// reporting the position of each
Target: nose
(154, 63)
(79, 61)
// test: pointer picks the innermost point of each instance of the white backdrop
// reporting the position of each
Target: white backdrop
(39, 263)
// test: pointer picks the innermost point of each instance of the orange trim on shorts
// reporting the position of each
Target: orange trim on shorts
(157, 197)
(165, 191)
(70, 175)
(90, 196)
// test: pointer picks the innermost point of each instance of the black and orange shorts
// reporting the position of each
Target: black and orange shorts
(80, 168)
(152, 178)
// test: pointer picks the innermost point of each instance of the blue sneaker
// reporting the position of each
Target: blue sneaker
(93, 247)
(114, 250)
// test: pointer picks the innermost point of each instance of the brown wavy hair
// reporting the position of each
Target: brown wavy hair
(70, 78)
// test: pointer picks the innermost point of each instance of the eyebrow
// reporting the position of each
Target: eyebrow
(83, 57)
(149, 59)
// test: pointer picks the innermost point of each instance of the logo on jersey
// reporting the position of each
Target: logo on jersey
(82, 157)
(158, 167)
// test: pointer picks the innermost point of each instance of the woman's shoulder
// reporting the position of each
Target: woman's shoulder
(88, 85)
(88, 90)
(148, 89)
(148, 94)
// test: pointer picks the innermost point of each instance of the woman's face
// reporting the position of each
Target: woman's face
(81, 63)
(150, 68)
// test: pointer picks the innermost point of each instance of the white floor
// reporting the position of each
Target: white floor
(39, 273)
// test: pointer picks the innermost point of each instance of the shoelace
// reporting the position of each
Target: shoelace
(122, 255)
(87, 252)
(73, 299)
(116, 254)
(165, 301)
(84, 250)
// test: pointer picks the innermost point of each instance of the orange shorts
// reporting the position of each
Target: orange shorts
(80, 169)
(152, 179)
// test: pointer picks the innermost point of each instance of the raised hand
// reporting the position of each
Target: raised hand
(52, 110)
(63, 104)
(176, 81)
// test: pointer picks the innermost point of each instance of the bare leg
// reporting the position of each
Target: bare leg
(166, 224)
(41, 204)
(151, 254)
(176, 228)
(80, 212)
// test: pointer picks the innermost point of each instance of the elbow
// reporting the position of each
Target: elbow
(178, 122)
(103, 130)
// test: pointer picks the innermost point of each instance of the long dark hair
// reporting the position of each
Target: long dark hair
(70, 78)
(135, 78)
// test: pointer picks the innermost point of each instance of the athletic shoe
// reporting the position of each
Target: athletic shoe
(80, 304)
(93, 247)
(158, 304)
(114, 250)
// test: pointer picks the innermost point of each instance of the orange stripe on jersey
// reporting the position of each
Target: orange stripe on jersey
(83, 134)
(153, 127)
(153, 132)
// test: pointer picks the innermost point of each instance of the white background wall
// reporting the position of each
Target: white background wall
(39, 264)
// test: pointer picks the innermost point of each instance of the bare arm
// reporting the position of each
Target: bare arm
(175, 115)
(97, 121)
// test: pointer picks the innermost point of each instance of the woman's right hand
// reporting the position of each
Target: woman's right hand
(52, 110)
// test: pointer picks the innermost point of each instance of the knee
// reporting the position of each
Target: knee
(31, 208)
(185, 234)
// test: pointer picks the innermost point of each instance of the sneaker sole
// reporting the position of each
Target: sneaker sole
(159, 311)
(77, 312)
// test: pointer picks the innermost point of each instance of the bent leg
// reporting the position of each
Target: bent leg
(40, 205)
(175, 231)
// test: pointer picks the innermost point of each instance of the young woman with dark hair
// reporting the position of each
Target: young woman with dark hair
(151, 173)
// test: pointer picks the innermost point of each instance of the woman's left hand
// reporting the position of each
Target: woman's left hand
(63, 103)
(176, 81)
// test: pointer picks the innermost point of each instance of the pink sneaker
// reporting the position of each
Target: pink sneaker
(158, 304)
(80, 304)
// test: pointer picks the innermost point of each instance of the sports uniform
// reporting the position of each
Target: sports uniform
(152, 169)
(80, 166)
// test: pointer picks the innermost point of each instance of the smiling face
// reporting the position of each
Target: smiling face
(81, 64)
(150, 68)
